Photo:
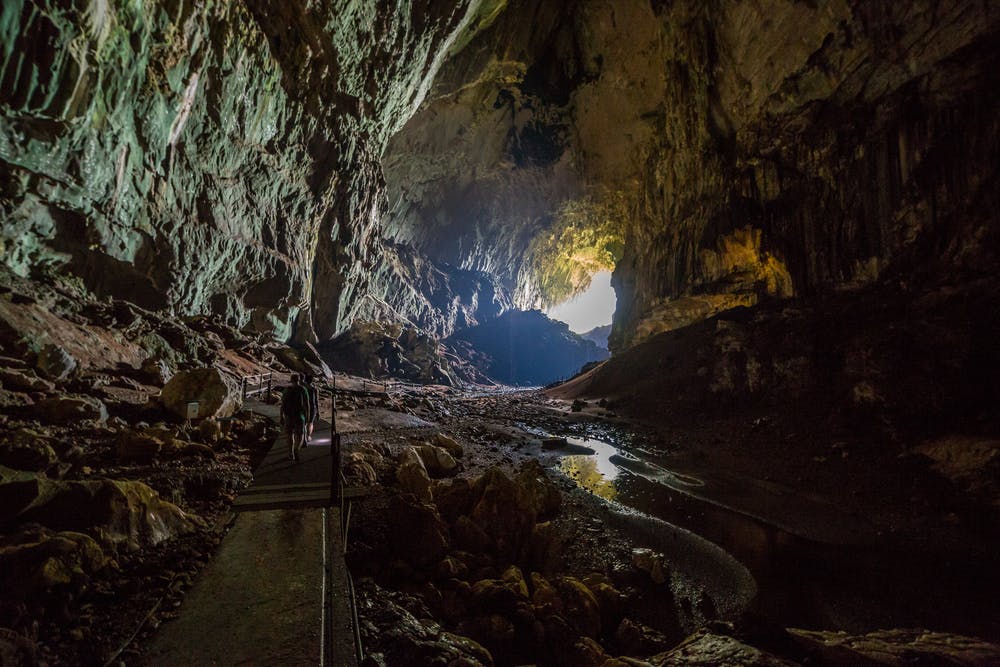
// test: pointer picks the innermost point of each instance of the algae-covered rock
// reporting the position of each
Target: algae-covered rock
(412, 474)
(118, 513)
(37, 560)
(437, 461)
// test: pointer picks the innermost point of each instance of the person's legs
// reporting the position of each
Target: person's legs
(297, 439)
(290, 436)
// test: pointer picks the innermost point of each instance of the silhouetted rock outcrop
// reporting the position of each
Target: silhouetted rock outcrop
(528, 348)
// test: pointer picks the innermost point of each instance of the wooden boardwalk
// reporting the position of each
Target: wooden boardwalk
(278, 591)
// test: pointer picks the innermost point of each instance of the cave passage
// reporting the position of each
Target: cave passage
(775, 440)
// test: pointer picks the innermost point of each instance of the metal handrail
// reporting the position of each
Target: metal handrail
(262, 382)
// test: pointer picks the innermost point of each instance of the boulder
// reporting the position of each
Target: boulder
(453, 498)
(503, 594)
(652, 563)
(634, 638)
(470, 536)
(492, 629)
(544, 551)
(707, 648)
(544, 597)
(412, 475)
(580, 606)
(24, 380)
(539, 492)
(210, 431)
(70, 408)
(449, 444)
(138, 447)
(588, 653)
(37, 560)
(216, 394)
(25, 449)
(437, 460)
(118, 513)
(55, 363)
(503, 512)
(358, 471)
(416, 532)
(156, 371)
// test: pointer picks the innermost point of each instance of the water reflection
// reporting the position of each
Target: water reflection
(595, 472)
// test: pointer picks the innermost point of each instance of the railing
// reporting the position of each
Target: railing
(256, 384)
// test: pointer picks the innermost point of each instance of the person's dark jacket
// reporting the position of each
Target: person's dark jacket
(295, 403)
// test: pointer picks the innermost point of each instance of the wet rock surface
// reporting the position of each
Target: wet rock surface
(517, 557)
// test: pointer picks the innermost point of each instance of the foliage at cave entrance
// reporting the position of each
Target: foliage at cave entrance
(586, 238)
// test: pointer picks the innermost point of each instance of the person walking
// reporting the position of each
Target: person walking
(294, 410)
(313, 407)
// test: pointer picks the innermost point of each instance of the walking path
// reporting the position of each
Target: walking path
(278, 591)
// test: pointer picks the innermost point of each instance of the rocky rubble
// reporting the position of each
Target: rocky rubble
(110, 498)
(504, 554)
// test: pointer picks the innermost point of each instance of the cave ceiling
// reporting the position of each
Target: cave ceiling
(296, 167)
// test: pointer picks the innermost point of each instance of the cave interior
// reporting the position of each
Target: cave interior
(769, 433)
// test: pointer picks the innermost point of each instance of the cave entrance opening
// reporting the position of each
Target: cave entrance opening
(590, 309)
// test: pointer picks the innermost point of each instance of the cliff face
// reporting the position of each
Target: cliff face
(214, 157)
(715, 153)
(299, 166)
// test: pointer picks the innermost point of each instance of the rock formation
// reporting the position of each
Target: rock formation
(526, 348)
(798, 201)
(229, 159)
(712, 153)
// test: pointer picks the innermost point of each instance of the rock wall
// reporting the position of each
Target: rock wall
(235, 158)
(212, 157)
(716, 152)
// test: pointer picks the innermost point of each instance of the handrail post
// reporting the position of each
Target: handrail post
(334, 448)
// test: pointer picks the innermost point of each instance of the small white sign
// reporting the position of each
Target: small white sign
(192, 410)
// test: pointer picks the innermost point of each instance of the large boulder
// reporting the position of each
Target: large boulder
(25, 449)
(37, 560)
(537, 489)
(55, 363)
(417, 534)
(412, 474)
(70, 408)
(449, 444)
(503, 511)
(216, 394)
(119, 513)
(439, 463)
(580, 606)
